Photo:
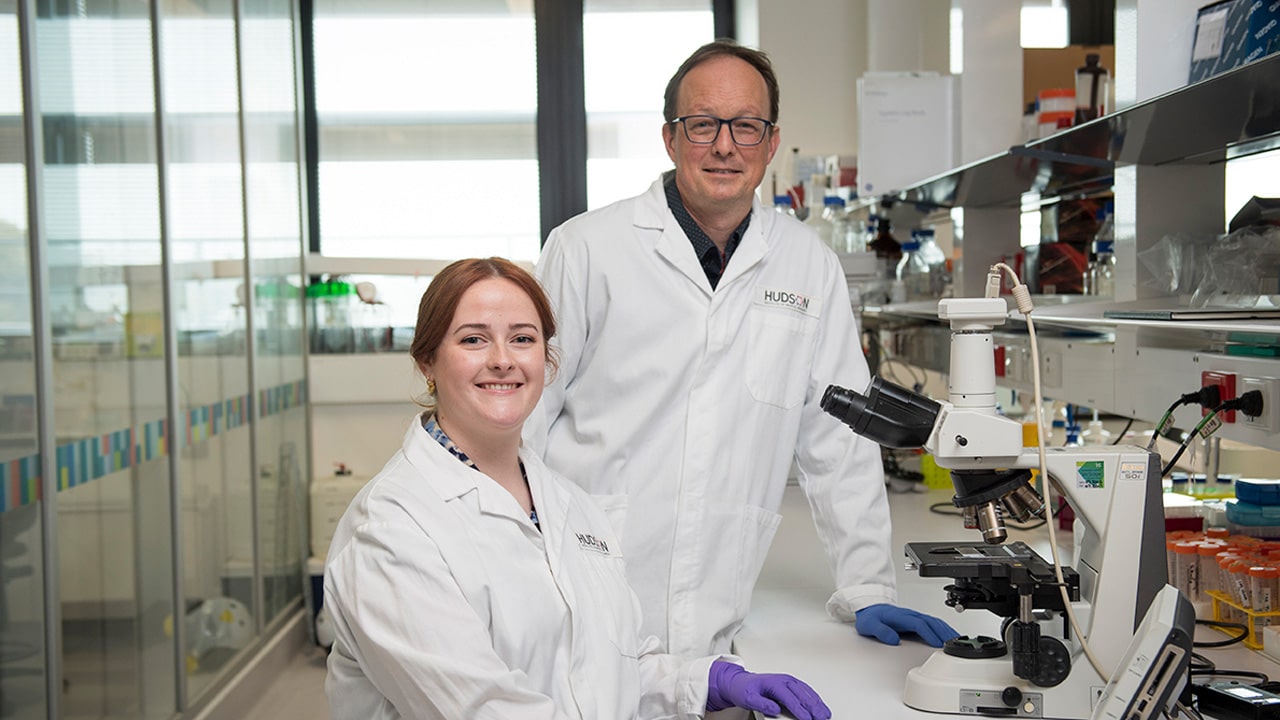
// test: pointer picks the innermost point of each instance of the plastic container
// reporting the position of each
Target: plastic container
(1208, 567)
(1226, 581)
(1245, 515)
(1186, 568)
(1170, 541)
(1057, 100)
(1096, 434)
(1262, 589)
(1051, 122)
(1238, 585)
(1258, 492)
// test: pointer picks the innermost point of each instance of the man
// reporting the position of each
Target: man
(698, 333)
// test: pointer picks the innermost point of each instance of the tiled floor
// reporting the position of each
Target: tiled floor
(298, 693)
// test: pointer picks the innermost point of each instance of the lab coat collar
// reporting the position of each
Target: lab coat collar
(652, 213)
(442, 472)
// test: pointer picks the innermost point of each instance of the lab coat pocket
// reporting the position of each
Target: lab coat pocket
(758, 528)
(614, 603)
(779, 352)
(615, 508)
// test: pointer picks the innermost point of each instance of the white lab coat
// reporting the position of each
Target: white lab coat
(447, 602)
(681, 409)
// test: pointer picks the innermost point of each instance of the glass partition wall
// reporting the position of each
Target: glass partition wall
(171, 238)
(22, 603)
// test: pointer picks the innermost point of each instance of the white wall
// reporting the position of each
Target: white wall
(821, 47)
(991, 84)
(818, 48)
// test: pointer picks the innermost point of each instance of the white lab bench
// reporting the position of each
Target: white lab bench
(788, 629)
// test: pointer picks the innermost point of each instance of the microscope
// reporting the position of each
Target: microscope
(1137, 627)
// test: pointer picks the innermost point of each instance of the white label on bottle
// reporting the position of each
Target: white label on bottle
(1242, 589)
(1210, 30)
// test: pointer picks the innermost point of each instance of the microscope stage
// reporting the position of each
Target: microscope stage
(977, 560)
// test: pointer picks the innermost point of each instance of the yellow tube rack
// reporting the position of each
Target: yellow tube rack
(1253, 640)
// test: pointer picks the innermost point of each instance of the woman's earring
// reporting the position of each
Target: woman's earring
(431, 386)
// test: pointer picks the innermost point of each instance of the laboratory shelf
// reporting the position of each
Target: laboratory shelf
(1091, 315)
(1082, 312)
(1232, 115)
(317, 264)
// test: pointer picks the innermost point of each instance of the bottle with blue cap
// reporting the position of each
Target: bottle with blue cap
(869, 235)
(820, 220)
(923, 267)
(833, 213)
(782, 203)
(1099, 276)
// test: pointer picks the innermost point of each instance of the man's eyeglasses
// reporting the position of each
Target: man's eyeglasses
(704, 129)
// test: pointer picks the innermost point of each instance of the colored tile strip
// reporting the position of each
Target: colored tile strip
(81, 461)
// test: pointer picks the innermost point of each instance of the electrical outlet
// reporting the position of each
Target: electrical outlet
(1051, 369)
(1269, 420)
(1226, 382)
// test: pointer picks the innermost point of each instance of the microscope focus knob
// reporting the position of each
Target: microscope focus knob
(1055, 663)
(1011, 696)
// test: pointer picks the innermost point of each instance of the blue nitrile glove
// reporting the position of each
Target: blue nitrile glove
(884, 621)
(730, 686)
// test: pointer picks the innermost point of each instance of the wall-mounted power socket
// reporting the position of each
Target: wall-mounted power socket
(1226, 382)
(1269, 420)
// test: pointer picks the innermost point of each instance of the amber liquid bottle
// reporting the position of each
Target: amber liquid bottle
(884, 245)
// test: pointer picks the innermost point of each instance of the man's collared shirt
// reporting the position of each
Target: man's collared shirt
(713, 261)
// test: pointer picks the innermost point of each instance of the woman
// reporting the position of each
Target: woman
(467, 580)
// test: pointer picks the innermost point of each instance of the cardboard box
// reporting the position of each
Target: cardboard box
(1232, 33)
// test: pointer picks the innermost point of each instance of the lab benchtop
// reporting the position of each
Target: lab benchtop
(788, 629)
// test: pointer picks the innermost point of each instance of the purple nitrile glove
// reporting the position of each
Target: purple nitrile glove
(884, 621)
(730, 686)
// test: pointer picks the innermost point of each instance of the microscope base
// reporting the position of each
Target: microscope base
(947, 684)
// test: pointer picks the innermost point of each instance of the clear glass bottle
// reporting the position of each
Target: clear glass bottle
(820, 222)
(782, 204)
(936, 277)
(838, 224)
(336, 332)
(1099, 275)
(1104, 270)
(911, 273)
(855, 233)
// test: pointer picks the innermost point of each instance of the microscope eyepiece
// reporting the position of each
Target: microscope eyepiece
(888, 414)
(846, 406)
